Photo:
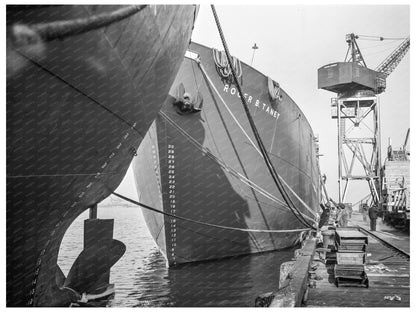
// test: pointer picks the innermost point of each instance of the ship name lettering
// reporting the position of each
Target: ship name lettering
(269, 110)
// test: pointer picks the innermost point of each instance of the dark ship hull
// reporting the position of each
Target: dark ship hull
(84, 84)
(205, 167)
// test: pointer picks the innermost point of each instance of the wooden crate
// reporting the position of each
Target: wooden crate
(351, 245)
(344, 235)
(350, 275)
(350, 258)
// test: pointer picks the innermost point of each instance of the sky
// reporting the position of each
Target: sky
(294, 41)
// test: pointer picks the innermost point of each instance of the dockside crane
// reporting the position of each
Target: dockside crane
(357, 88)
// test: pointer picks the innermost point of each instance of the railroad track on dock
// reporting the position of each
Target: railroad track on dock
(399, 251)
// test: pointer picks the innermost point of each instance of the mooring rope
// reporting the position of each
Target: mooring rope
(268, 162)
(224, 227)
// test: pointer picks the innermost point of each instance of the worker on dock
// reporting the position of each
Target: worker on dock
(326, 210)
(364, 211)
(349, 209)
(342, 215)
(333, 214)
(373, 214)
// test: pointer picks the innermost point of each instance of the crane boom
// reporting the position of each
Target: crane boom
(406, 140)
(391, 62)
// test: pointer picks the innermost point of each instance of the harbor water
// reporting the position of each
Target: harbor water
(142, 279)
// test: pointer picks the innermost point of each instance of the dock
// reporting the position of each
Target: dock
(311, 282)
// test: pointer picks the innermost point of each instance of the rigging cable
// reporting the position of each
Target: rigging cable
(78, 90)
(268, 162)
(377, 38)
(224, 227)
(206, 76)
(230, 170)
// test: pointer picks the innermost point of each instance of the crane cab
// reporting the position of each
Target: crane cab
(349, 77)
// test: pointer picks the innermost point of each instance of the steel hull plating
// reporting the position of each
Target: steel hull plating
(78, 107)
(205, 166)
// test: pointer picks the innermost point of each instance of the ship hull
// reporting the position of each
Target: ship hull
(206, 167)
(79, 103)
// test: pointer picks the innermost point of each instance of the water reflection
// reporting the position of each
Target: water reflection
(143, 280)
(222, 283)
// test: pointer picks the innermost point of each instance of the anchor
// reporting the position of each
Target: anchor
(185, 103)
